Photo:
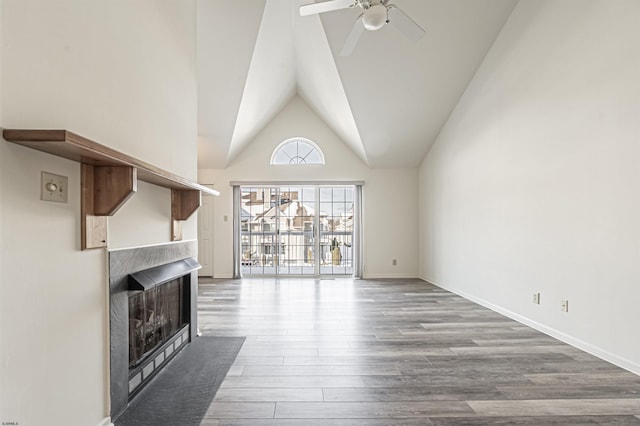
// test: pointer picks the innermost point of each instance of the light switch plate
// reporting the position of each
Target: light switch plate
(54, 187)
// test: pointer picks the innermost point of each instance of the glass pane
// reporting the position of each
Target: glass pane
(304, 150)
(136, 327)
(168, 309)
(281, 157)
(337, 234)
(258, 227)
(349, 194)
(314, 158)
(297, 151)
(325, 209)
(325, 194)
(292, 210)
(338, 194)
(154, 316)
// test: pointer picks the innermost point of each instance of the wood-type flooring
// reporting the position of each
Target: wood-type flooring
(326, 352)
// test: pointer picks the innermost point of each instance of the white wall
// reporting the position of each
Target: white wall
(533, 184)
(2, 240)
(389, 206)
(120, 73)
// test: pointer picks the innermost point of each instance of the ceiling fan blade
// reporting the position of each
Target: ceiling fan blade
(404, 24)
(326, 6)
(353, 38)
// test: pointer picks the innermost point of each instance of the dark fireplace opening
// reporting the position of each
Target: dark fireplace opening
(157, 319)
(155, 316)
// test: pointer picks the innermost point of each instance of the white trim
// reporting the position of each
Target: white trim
(298, 139)
(151, 245)
(563, 337)
(270, 183)
(390, 276)
(223, 276)
(106, 422)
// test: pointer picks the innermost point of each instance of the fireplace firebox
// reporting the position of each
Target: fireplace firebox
(159, 309)
(155, 316)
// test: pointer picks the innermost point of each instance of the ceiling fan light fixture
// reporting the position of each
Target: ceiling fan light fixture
(375, 17)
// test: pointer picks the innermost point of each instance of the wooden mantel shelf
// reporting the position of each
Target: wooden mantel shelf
(109, 179)
(74, 147)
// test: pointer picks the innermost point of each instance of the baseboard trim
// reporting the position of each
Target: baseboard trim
(563, 337)
(223, 276)
(390, 276)
(106, 422)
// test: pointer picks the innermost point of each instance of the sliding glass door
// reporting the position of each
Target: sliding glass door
(300, 230)
(336, 230)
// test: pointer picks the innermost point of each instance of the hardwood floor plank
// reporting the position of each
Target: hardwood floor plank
(326, 338)
(533, 341)
(275, 346)
(334, 370)
(468, 324)
(571, 391)
(456, 369)
(557, 407)
(292, 381)
(245, 410)
(583, 367)
(462, 380)
(584, 379)
(229, 394)
(259, 360)
(325, 422)
(385, 351)
(397, 352)
(355, 410)
(426, 393)
(235, 370)
(280, 352)
(523, 359)
(538, 421)
(509, 349)
(356, 360)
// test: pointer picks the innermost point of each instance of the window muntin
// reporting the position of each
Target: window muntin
(297, 151)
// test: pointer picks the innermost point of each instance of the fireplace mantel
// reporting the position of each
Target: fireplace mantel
(109, 178)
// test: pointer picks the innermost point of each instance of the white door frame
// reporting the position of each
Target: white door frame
(316, 232)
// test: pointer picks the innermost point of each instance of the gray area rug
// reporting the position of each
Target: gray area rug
(182, 392)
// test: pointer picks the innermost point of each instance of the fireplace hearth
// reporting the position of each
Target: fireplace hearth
(153, 314)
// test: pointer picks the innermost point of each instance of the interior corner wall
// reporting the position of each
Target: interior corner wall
(123, 74)
(390, 206)
(533, 184)
(2, 239)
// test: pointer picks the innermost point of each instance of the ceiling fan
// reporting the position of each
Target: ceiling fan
(376, 13)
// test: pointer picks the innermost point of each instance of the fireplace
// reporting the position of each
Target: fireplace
(153, 314)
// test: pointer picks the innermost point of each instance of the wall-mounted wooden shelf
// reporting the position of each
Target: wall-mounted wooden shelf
(109, 178)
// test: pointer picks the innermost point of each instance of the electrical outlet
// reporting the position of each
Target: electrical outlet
(394, 262)
(53, 187)
(564, 305)
(536, 298)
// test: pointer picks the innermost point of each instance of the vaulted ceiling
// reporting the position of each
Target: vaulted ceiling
(387, 101)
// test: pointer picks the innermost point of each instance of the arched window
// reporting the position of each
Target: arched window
(297, 151)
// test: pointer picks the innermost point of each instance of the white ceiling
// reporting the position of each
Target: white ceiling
(387, 101)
